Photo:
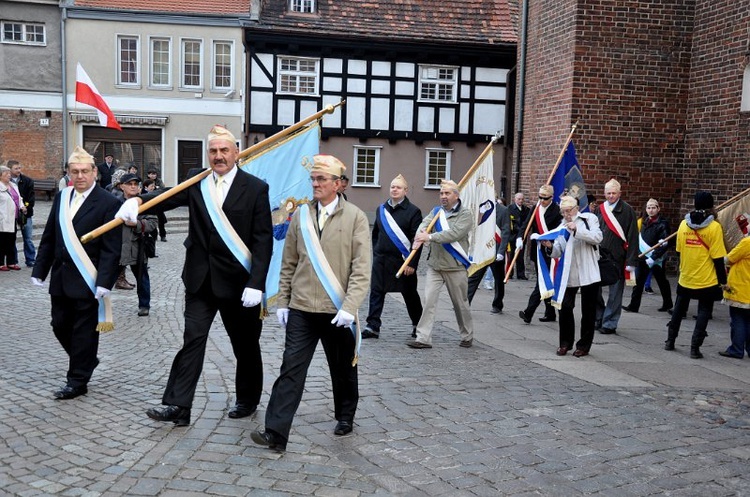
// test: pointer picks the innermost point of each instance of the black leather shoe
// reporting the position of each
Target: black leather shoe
(607, 331)
(669, 345)
(343, 428)
(180, 416)
(241, 410)
(547, 319)
(67, 392)
(496, 310)
(629, 308)
(269, 440)
(522, 315)
(143, 311)
(665, 308)
(370, 333)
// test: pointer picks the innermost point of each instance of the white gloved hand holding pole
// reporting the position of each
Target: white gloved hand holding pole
(519, 243)
(128, 211)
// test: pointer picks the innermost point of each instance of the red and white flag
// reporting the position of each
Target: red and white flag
(86, 93)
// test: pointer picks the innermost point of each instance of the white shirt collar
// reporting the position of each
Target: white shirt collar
(228, 177)
(330, 207)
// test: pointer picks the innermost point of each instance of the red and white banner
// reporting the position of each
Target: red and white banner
(86, 93)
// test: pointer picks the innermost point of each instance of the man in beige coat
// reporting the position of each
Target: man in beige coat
(446, 265)
(325, 275)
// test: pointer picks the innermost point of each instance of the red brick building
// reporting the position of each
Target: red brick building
(657, 86)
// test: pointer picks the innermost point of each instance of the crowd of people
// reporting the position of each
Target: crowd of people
(332, 259)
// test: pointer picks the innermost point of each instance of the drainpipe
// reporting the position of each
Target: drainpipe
(521, 91)
(64, 59)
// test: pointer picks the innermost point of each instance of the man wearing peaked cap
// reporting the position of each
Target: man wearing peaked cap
(223, 273)
(447, 265)
(396, 223)
(325, 274)
(76, 305)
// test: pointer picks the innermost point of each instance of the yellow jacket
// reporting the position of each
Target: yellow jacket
(739, 274)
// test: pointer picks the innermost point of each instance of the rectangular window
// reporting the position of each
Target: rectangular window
(127, 60)
(298, 76)
(24, 33)
(366, 166)
(437, 167)
(161, 62)
(223, 65)
(191, 63)
(305, 6)
(437, 83)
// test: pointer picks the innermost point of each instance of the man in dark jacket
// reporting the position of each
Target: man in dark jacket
(26, 189)
(518, 213)
(396, 223)
(502, 221)
(106, 169)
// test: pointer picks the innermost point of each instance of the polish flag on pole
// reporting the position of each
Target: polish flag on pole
(86, 93)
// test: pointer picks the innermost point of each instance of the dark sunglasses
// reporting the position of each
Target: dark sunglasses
(544, 198)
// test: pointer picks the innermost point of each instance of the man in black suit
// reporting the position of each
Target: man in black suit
(26, 189)
(106, 169)
(519, 213)
(221, 274)
(546, 217)
(78, 304)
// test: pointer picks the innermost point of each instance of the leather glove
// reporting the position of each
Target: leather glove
(251, 297)
(499, 257)
(342, 318)
(101, 292)
(630, 269)
(128, 211)
(37, 282)
(283, 316)
(519, 243)
(650, 262)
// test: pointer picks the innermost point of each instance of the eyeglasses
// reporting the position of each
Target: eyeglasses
(544, 198)
(322, 179)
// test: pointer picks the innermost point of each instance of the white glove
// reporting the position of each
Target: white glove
(101, 292)
(663, 242)
(519, 243)
(36, 281)
(342, 318)
(251, 297)
(630, 269)
(128, 211)
(499, 257)
(283, 316)
(650, 262)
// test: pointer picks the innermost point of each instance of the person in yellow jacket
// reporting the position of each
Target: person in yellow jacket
(737, 294)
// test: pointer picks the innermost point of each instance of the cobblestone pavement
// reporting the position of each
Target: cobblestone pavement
(505, 417)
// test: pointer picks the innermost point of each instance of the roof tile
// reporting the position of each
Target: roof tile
(223, 8)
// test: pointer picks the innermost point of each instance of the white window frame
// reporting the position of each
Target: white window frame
(214, 65)
(26, 29)
(429, 161)
(152, 62)
(120, 61)
(183, 73)
(296, 73)
(302, 6)
(355, 179)
(432, 76)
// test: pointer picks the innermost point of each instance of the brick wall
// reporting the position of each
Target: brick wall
(38, 149)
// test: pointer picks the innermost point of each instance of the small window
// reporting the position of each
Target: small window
(161, 62)
(24, 33)
(745, 103)
(127, 60)
(437, 83)
(222, 65)
(191, 63)
(437, 167)
(298, 76)
(304, 6)
(366, 166)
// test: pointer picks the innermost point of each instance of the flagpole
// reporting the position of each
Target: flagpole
(720, 207)
(461, 184)
(536, 207)
(254, 149)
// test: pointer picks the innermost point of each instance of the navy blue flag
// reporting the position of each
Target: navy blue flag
(568, 179)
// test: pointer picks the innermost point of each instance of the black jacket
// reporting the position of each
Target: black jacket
(26, 189)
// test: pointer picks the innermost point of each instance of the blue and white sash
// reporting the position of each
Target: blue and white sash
(325, 273)
(645, 247)
(394, 231)
(454, 248)
(82, 261)
(553, 280)
(211, 197)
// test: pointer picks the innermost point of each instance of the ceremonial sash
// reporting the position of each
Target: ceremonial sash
(454, 248)
(541, 223)
(211, 197)
(644, 247)
(614, 226)
(553, 279)
(82, 261)
(324, 272)
(541, 227)
(394, 231)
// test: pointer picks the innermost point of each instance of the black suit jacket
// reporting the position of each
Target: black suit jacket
(517, 218)
(26, 189)
(552, 217)
(52, 256)
(248, 209)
